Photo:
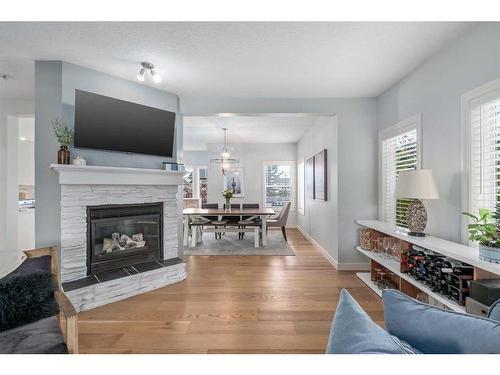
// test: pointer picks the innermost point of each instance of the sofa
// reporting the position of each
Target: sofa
(32, 308)
(412, 327)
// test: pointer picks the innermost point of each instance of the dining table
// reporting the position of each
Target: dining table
(262, 213)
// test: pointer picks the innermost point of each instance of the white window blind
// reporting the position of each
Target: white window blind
(399, 153)
(485, 156)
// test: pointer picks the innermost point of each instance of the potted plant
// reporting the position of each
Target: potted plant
(485, 230)
(227, 194)
(64, 137)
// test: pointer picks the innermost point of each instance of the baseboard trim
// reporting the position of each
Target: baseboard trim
(338, 266)
(354, 267)
(325, 253)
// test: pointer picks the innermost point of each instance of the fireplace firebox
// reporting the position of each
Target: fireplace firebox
(119, 236)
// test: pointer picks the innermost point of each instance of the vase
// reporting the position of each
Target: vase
(227, 205)
(489, 254)
(416, 218)
(63, 155)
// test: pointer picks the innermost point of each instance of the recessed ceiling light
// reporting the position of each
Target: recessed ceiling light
(22, 138)
(147, 66)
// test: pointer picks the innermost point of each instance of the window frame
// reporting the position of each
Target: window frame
(410, 123)
(199, 180)
(188, 168)
(196, 179)
(478, 96)
(292, 164)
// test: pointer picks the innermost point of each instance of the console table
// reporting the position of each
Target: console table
(409, 285)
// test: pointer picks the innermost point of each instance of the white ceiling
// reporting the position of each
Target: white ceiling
(259, 59)
(199, 131)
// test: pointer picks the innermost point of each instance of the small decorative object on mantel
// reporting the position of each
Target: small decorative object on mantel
(79, 160)
(416, 184)
(485, 230)
(169, 166)
(64, 137)
(227, 194)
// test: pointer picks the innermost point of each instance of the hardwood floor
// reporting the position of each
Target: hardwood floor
(231, 304)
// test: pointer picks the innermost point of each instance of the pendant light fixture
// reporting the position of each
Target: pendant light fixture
(225, 160)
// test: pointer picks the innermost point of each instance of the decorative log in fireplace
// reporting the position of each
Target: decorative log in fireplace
(122, 235)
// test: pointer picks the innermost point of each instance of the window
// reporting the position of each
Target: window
(187, 190)
(196, 183)
(481, 126)
(278, 184)
(399, 151)
(300, 187)
(203, 174)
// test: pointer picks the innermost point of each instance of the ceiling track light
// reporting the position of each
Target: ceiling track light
(141, 75)
(147, 66)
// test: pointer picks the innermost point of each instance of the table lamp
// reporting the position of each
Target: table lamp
(416, 184)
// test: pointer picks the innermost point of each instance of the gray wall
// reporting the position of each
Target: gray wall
(434, 89)
(76, 77)
(48, 105)
(198, 158)
(357, 147)
(320, 218)
(55, 83)
(8, 108)
(251, 157)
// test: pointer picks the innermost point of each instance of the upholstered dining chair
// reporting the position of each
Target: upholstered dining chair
(281, 219)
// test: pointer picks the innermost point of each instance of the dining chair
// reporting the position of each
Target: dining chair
(233, 219)
(281, 219)
(247, 220)
(210, 206)
(214, 220)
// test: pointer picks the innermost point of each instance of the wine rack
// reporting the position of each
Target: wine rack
(437, 269)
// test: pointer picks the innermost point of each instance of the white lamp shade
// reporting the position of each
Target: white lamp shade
(418, 184)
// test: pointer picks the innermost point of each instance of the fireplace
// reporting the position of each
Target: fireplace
(119, 236)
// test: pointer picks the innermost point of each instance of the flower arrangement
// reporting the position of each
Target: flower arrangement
(228, 194)
(64, 136)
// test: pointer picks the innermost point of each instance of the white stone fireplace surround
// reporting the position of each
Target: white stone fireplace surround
(83, 186)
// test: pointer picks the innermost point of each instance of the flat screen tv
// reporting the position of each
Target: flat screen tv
(106, 123)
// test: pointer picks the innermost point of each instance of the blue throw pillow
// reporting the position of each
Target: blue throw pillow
(494, 313)
(436, 331)
(354, 332)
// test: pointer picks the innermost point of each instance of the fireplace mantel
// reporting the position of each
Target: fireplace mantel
(99, 175)
(92, 186)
